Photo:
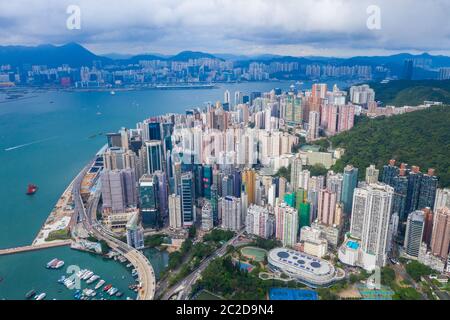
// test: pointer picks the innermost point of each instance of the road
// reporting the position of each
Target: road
(189, 281)
(88, 218)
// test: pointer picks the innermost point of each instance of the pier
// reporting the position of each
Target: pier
(53, 244)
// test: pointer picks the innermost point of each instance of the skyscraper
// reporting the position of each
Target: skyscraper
(327, 207)
(414, 233)
(441, 233)
(231, 213)
(286, 220)
(372, 174)
(350, 182)
(442, 199)
(118, 190)
(187, 199)
(249, 181)
(313, 126)
(175, 216)
(154, 156)
(207, 216)
(259, 222)
(428, 186)
(296, 170)
(148, 200)
(370, 220)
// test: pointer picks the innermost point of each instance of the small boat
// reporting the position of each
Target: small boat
(113, 291)
(129, 265)
(41, 296)
(62, 279)
(134, 272)
(87, 275)
(92, 279)
(119, 294)
(31, 189)
(107, 287)
(30, 294)
(51, 263)
(59, 264)
(99, 284)
(81, 273)
(113, 92)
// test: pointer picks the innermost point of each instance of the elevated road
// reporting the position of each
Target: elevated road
(147, 279)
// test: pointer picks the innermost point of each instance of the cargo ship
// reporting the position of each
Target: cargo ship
(31, 189)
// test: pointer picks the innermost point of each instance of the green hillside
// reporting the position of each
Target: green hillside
(412, 93)
(418, 138)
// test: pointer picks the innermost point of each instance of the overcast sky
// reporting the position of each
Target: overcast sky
(293, 27)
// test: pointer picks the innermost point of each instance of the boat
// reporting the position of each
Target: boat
(62, 279)
(99, 284)
(134, 272)
(81, 273)
(30, 294)
(31, 189)
(87, 275)
(113, 291)
(92, 279)
(113, 92)
(41, 296)
(119, 294)
(51, 263)
(59, 264)
(107, 287)
(129, 265)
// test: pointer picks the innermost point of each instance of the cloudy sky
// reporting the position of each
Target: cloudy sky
(294, 27)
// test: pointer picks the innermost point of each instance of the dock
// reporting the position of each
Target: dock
(52, 244)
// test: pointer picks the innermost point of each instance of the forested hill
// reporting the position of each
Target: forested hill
(419, 138)
(412, 92)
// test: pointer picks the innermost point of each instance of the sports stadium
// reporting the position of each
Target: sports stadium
(304, 268)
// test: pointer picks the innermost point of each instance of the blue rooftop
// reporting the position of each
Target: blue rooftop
(353, 245)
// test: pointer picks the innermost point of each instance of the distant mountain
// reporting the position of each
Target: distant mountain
(186, 55)
(72, 54)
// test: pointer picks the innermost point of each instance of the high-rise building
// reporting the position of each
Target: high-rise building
(207, 217)
(441, 233)
(389, 172)
(414, 183)
(163, 193)
(260, 222)
(187, 199)
(135, 232)
(149, 201)
(154, 156)
(414, 233)
(249, 182)
(313, 126)
(296, 170)
(350, 182)
(428, 187)
(286, 224)
(118, 190)
(370, 220)
(428, 226)
(327, 207)
(442, 199)
(335, 182)
(231, 213)
(372, 174)
(175, 216)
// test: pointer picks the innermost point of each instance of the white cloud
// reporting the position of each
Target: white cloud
(284, 26)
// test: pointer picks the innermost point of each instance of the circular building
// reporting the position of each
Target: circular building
(304, 268)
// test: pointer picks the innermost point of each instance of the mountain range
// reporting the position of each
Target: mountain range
(75, 55)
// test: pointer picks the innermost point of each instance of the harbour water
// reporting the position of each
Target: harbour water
(46, 140)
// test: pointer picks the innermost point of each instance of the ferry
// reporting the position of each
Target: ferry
(30, 294)
(92, 279)
(99, 284)
(41, 296)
